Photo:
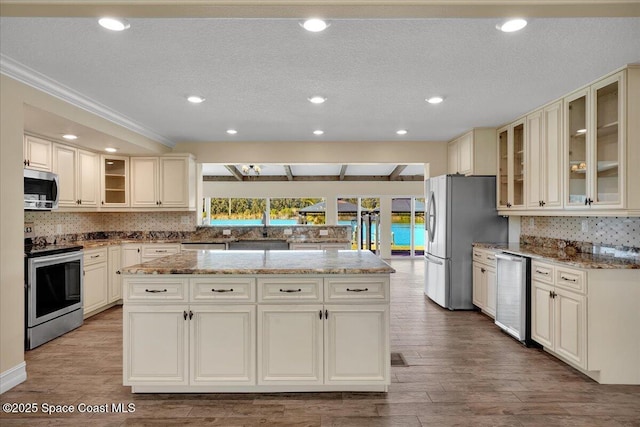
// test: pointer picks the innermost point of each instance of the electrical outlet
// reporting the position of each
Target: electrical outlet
(226, 232)
(185, 219)
(288, 232)
(28, 229)
(585, 226)
(324, 232)
(58, 228)
(532, 223)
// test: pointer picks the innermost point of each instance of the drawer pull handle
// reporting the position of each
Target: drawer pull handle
(160, 251)
(155, 291)
(357, 290)
(477, 255)
(491, 258)
(290, 290)
(482, 270)
(568, 279)
(95, 256)
(222, 290)
(546, 273)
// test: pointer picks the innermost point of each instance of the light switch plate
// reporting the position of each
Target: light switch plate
(324, 232)
(288, 232)
(226, 232)
(585, 226)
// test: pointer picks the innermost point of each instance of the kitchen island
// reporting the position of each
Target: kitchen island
(257, 321)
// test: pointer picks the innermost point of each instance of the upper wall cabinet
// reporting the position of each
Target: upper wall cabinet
(511, 167)
(163, 182)
(543, 139)
(78, 175)
(37, 153)
(472, 153)
(114, 183)
(596, 145)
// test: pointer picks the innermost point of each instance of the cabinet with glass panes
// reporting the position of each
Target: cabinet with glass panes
(594, 145)
(115, 181)
(511, 166)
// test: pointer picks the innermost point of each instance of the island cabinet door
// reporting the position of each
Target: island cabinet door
(222, 345)
(356, 344)
(156, 348)
(290, 344)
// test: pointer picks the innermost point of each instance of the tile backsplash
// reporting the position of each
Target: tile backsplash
(58, 223)
(614, 231)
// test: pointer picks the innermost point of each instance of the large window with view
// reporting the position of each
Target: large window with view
(407, 226)
(292, 211)
(247, 211)
(235, 211)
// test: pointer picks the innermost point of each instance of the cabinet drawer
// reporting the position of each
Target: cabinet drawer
(223, 289)
(157, 251)
(542, 272)
(95, 256)
(168, 290)
(478, 255)
(290, 289)
(568, 278)
(304, 246)
(356, 288)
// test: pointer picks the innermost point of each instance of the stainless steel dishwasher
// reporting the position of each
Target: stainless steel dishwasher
(513, 305)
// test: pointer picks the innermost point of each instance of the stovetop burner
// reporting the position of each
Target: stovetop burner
(32, 250)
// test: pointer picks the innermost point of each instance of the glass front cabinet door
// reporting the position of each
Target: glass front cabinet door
(593, 170)
(511, 166)
(115, 181)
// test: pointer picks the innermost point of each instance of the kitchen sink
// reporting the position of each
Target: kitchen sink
(259, 245)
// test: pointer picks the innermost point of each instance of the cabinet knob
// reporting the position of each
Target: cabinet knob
(482, 270)
(25, 163)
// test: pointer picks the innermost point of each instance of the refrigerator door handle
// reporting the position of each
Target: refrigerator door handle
(431, 217)
(509, 257)
(433, 260)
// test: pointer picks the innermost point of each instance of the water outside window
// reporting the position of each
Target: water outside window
(407, 226)
(292, 211)
(282, 211)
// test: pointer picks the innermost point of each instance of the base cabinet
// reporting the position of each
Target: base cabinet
(220, 334)
(95, 280)
(484, 281)
(115, 279)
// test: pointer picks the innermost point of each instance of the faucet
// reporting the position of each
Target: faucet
(264, 224)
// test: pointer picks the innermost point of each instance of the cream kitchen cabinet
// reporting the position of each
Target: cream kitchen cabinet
(543, 158)
(37, 153)
(511, 166)
(78, 176)
(114, 181)
(319, 246)
(115, 279)
(95, 280)
(473, 153)
(304, 333)
(136, 253)
(163, 182)
(484, 281)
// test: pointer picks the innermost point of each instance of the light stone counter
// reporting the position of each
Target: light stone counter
(265, 262)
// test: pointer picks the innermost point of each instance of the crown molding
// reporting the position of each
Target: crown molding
(37, 80)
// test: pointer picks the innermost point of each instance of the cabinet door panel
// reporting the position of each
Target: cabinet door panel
(95, 284)
(465, 154)
(155, 345)
(570, 323)
(552, 155)
(534, 160)
(88, 175)
(173, 182)
(542, 314)
(356, 346)
(144, 182)
(478, 286)
(115, 279)
(38, 153)
(490, 291)
(452, 157)
(231, 363)
(64, 164)
(290, 344)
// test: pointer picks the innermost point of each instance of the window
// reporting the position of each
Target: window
(232, 211)
(291, 211)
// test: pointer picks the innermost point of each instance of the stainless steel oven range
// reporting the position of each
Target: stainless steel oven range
(53, 292)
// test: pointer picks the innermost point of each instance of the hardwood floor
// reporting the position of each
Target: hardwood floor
(462, 371)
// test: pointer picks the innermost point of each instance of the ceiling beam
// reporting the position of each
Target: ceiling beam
(396, 172)
(303, 178)
(343, 170)
(235, 172)
(287, 170)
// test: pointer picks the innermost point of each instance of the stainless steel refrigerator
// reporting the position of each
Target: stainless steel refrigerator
(460, 210)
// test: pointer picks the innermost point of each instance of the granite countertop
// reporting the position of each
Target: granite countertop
(265, 262)
(567, 256)
(94, 244)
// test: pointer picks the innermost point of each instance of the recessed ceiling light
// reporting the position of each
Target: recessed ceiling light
(110, 150)
(114, 24)
(401, 132)
(512, 25)
(314, 25)
(581, 131)
(435, 100)
(70, 136)
(232, 131)
(195, 99)
(318, 132)
(317, 99)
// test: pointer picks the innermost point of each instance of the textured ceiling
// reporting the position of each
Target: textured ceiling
(256, 74)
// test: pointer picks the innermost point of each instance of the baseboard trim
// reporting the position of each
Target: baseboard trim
(12, 377)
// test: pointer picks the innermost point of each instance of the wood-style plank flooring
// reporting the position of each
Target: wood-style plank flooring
(463, 371)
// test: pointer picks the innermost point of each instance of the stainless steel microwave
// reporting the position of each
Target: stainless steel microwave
(40, 190)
